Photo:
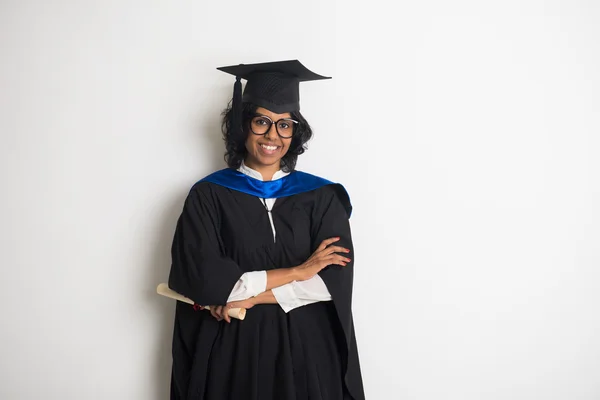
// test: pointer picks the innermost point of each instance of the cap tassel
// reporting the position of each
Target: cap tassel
(236, 107)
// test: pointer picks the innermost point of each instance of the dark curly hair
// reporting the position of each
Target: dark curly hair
(235, 142)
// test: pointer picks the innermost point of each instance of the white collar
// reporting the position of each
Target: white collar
(257, 175)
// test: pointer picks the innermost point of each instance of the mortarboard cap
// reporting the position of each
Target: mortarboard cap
(272, 85)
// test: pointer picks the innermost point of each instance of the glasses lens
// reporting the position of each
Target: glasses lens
(260, 125)
(286, 127)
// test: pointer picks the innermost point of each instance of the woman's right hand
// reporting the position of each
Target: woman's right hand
(322, 257)
(215, 311)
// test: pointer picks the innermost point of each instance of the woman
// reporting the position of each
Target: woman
(276, 241)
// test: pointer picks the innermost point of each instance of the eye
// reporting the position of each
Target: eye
(284, 125)
(261, 121)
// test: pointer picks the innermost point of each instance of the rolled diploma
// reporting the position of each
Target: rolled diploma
(164, 290)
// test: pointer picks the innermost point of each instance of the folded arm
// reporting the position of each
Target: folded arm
(289, 296)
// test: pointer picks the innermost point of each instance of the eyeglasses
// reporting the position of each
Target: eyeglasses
(261, 124)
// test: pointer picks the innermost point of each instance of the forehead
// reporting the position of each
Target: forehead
(272, 115)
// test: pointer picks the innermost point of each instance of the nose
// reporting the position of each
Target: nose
(272, 133)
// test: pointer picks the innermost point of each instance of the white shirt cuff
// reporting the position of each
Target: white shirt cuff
(298, 294)
(286, 297)
(249, 285)
(312, 290)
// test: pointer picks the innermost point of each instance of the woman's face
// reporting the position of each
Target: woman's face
(268, 149)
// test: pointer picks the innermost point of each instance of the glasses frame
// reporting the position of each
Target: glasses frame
(276, 125)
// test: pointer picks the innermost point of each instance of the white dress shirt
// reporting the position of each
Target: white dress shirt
(292, 295)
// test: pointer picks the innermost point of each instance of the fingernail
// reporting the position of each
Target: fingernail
(347, 251)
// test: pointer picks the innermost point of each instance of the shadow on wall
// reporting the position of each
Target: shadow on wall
(211, 148)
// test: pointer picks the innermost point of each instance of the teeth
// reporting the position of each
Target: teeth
(269, 147)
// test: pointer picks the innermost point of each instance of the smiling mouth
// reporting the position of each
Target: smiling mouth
(269, 147)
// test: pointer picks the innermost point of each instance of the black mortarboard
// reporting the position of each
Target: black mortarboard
(272, 85)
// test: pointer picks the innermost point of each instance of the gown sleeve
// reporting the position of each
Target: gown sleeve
(199, 268)
(331, 219)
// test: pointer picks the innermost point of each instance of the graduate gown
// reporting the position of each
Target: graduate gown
(308, 353)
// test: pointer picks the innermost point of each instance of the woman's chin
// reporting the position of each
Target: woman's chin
(268, 159)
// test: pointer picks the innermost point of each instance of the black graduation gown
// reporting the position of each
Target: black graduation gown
(308, 353)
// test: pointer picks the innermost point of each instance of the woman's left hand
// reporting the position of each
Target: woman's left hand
(222, 312)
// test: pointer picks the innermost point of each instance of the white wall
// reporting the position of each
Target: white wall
(467, 135)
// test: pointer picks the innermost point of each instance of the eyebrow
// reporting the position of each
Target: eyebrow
(271, 118)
